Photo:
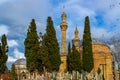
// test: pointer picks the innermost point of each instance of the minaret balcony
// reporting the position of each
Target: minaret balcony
(63, 27)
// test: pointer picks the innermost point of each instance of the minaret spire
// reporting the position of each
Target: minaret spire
(76, 33)
(64, 16)
(76, 38)
(63, 10)
(63, 27)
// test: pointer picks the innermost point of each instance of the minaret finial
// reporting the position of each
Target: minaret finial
(64, 16)
(76, 31)
(63, 8)
(76, 37)
(76, 26)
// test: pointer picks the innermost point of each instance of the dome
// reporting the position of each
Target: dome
(20, 61)
(96, 41)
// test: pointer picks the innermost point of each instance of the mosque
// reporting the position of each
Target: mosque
(101, 52)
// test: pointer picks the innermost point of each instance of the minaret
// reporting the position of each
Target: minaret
(63, 27)
(76, 39)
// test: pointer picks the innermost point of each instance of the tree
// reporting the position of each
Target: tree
(13, 73)
(74, 59)
(31, 47)
(87, 57)
(52, 45)
(43, 55)
(69, 57)
(3, 55)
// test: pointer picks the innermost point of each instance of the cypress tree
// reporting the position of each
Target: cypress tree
(1, 61)
(3, 55)
(13, 73)
(52, 45)
(43, 55)
(74, 58)
(31, 47)
(87, 57)
(69, 57)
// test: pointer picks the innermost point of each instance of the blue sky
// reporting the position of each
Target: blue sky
(15, 16)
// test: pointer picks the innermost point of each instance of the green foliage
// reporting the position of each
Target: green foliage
(3, 55)
(13, 73)
(87, 57)
(52, 46)
(43, 55)
(74, 59)
(31, 47)
(69, 57)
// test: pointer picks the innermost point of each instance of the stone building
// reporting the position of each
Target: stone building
(101, 52)
(20, 68)
(22, 72)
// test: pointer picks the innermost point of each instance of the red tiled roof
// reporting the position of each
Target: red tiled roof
(5, 76)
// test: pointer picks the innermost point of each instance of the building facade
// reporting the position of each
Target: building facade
(22, 72)
(101, 52)
(20, 68)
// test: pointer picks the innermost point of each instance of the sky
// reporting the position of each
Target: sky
(16, 15)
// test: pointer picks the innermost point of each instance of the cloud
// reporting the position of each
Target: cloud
(3, 29)
(17, 14)
(16, 55)
(100, 33)
(12, 43)
(11, 59)
(99, 26)
(40, 27)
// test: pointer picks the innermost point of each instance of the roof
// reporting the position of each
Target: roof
(21, 61)
(5, 77)
(94, 41)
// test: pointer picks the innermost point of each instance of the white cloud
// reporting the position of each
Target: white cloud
(81, 11)
(105, 9)
(19, 15)
(100, 33)
(3, 29)
(11, 59)
(40, 27)
(12, 43)
(18, 54)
